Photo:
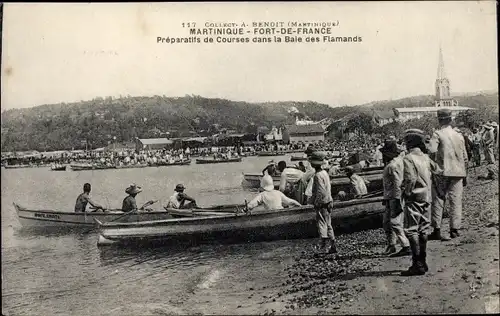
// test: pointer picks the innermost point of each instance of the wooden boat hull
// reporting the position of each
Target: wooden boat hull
(130, 167)
(177, 163)
(56, 219)
(298, 158)
(339, 183)
(59, 168)
(207, 161)
(291, 223)
(84, 168)
(271, 153)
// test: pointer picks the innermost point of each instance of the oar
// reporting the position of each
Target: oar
(134, 212)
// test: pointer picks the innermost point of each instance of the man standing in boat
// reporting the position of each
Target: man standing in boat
(290, 178)
(179, 198)
(357, 185)
(323, 202)
(271, 199)
(84, 198)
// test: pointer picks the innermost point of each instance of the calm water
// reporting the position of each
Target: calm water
(68, 274)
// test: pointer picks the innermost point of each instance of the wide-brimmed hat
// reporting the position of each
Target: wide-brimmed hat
(317, 158)
(267, 183)
(179, 187)
(133, 189)
(443, 114)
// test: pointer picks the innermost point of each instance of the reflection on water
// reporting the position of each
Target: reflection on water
(64, 273)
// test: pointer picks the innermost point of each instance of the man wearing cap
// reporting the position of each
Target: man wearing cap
(417, 185)
(392, 177)
(129, 204)
(179, 198)
(271, 199)
(289, 180)
(448, 148)
(322, 200)
(488, 143)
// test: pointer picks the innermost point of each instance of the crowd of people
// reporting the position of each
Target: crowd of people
(420, 173)
(418, 178)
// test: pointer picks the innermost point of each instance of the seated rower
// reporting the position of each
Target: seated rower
(179, 198)
(357, 186)
(270, 169)
(271, 199)
(129, 203)
(84, 198)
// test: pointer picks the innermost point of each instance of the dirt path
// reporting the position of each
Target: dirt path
(463, 276)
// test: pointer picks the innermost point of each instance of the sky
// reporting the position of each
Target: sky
(70, 52)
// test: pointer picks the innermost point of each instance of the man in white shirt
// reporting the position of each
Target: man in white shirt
(271, 199)
(290, 178)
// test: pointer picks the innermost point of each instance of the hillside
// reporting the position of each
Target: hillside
(67, 125)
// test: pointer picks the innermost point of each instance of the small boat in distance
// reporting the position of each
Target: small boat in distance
(218, 160)
(184, 162)
(58, 168)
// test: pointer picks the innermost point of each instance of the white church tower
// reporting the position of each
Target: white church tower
(443, 96)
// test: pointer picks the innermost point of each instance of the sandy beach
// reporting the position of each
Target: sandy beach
(463, 276)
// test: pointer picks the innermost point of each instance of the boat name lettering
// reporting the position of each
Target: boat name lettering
(43, 215)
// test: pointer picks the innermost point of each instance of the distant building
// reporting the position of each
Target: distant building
(153, 143)
(274, 135)
(443, 99)
(382, 118)
(310, 133)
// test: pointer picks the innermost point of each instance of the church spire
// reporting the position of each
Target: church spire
(441, 73)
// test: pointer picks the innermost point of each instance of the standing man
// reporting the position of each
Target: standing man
(488, 143)
(448, 147)
(417, 185)
(323, 202)
(393, 217)
(290, 178)
(84, 198)
(476, 140)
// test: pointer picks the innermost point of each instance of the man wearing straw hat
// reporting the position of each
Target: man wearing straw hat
(322, 200)
(448, 147)
(271, 199)
(489, 142)
(417, 185)
(129, 203)
(392, 180)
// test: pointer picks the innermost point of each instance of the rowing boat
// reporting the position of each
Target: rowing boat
(58, 168)
(339, 182)
(176, 163)
(298, 158)
(90, 167)
(57, 219)
(297, 222)
(271, 153)
(218, 160)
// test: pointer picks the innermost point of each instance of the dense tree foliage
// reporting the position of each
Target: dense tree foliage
(102, 120)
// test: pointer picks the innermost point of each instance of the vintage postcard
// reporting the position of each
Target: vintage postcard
(249, 158)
